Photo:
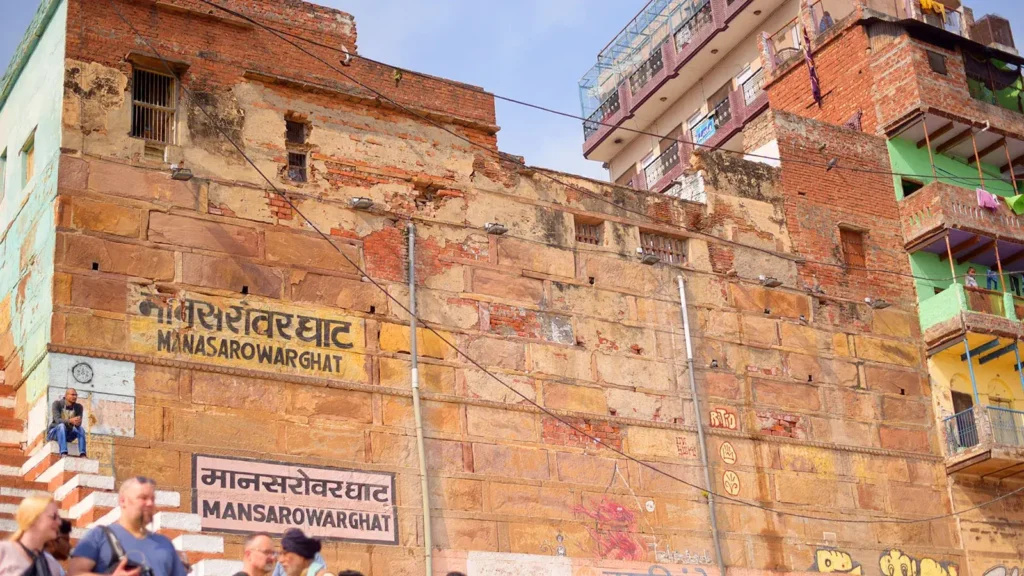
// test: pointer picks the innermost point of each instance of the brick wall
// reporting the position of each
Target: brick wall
(813, 405)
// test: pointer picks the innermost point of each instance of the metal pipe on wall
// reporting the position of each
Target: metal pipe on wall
(428, 541)
(700, 428)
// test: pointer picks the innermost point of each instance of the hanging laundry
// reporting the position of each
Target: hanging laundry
(812, 69)
(1016, 203)
(934, 6)
(987, 200)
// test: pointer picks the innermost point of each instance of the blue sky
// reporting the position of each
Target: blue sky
(533, 50)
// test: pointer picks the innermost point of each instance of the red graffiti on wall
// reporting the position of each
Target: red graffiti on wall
(615, 523)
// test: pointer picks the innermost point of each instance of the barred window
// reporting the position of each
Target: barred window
(297, 166)
(153, 107)
(669, 249)
(588, 232)
(296, 132)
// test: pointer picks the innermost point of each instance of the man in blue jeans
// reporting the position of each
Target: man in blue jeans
(66, 423)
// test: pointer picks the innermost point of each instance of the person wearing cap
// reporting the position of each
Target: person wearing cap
(300, 555)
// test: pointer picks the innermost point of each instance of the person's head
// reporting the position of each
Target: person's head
(358, 573)
(137, 500)
(971, 270)
(71, 396)
(38, 520)
(60, 548)
(259, 554)
(297, 552)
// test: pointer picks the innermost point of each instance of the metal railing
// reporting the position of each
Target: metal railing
(961, 431)
(753, 87)
(663, 163)
(995, 424)
(1007, 425)
(702, 17)
(709, 125)
(647, 70)
(610, 106)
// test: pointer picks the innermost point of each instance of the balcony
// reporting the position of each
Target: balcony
(647, 59)
(731, 114)
(959, 310)
(985, 441)
(940, 206)
(611, 106)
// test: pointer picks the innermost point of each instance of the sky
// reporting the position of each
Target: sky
(532, 50)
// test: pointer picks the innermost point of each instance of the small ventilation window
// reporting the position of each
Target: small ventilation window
(28, 159)
(853, 247)
(669, 249)
(295, 132)
(588, 232)
(937, 62)
(297, 167)
(910, 186)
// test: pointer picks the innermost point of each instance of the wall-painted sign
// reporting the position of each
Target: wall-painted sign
(727, 452)
(238, 333)
(244, 496)
(731, 481)
(723, 418)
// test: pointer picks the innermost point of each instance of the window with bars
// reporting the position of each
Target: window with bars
(295, 132)
(588, 233)
(669, 249)
(154, 103)
(853, 247)
(297, 166)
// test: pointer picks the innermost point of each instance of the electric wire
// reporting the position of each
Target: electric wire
(472, 361)
(570, 115)
(589, 193)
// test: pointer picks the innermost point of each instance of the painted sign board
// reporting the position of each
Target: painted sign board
(704, 131)
(245, 496)
(250, 334)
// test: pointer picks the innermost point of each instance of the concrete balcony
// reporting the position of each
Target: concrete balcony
(985, 441)
(671, 69)
(959, 311)
(940, 206)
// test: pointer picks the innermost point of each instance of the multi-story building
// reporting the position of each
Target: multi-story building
(941, 95)
(240, 335)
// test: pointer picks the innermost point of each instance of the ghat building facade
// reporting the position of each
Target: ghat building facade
(247, 343)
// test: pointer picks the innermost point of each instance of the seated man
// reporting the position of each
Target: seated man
(66, 423)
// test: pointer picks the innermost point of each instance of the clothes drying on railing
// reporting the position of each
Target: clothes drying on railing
(934, 6)
(1016, 203)
(987, 200)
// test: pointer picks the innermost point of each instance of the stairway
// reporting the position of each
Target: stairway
(88, 498)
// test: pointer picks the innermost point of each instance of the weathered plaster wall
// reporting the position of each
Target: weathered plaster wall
(814, 404)
(27, 244)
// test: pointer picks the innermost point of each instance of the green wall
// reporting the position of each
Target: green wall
(907, 158)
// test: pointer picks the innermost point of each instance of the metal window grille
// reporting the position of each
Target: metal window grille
(689, 187)
(588, 233)
(670, 250)
(297, 167)
(153, 107)
(296, 132)
(937, 62)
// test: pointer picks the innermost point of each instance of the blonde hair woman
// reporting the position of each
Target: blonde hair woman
(22, 554)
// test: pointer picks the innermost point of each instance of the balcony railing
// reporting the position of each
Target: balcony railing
(991, 425)
(709, 125)
(753, 87)
(654, 64)
(663, 163)
(958, 298)
(999, 85)
(702, 17)
(940, 205)
(610, 106)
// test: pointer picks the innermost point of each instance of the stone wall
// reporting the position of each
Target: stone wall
(815, 403)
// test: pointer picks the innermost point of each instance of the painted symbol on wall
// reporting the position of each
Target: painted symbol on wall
(829, 560)
(82, 373)
(731, 482)
(723, 418)
(615, 526)
(728, 453)
(1002, 571)
(896, 563)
